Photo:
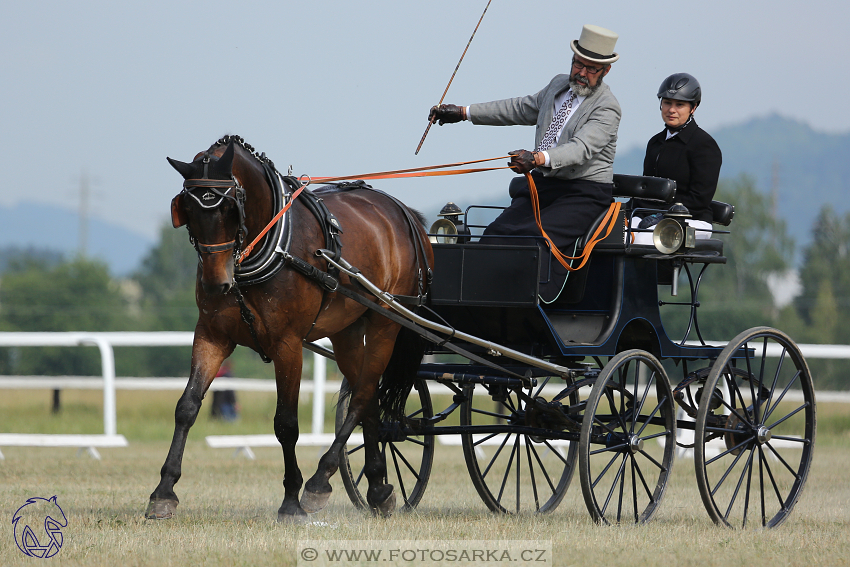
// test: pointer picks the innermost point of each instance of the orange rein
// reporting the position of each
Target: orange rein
(428, 172)
(609, 220)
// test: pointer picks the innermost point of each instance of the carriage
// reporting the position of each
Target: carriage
(587, 380)
(535, 389)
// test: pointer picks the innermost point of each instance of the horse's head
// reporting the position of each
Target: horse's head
(212, 206)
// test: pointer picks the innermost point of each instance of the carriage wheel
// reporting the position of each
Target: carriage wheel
(756, 435)
(408, 458)
(628, 440)
(518, 472)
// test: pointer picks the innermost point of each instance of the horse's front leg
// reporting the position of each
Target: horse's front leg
(288, 377)
(207, 357)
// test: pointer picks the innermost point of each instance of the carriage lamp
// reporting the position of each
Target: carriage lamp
(450, 228)
(673, 235)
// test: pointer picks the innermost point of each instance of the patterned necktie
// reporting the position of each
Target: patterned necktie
(557, 123)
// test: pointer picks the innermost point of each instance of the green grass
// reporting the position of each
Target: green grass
(228, 505)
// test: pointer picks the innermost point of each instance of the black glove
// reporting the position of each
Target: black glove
(446, 114)
(522, 161)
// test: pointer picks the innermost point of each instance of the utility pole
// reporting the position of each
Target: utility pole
(83, 232)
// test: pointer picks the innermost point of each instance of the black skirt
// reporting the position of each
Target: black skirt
(567, 209)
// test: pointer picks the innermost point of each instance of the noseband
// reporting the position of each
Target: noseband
(218, 188)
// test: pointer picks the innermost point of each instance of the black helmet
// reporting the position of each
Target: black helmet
(681, 86)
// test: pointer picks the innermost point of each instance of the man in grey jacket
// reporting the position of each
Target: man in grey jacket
(576, 118)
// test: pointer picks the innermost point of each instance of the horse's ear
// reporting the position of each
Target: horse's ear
(224, 165)
(184, 169)
(178, 215)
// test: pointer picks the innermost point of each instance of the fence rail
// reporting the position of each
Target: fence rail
(109, 383)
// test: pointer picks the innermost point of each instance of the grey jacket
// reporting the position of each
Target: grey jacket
(588, 142)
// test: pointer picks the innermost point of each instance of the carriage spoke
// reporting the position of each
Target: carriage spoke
(543, 468)
(729, 469)
(359, 447)
(617, 480)
(393, 452)
(730, 450)
(643, 480)
(634, 489)
(775, 423)
(531, 474)
(781, 396)
(734, 497)
(507, 471)
(648, 419)
(775, 381)
(555, 452)
(496, 456)
(605, 470)
(642, 402)
(653, 461)
(483, 439)
(773, 480)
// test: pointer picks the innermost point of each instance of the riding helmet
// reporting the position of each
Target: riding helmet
(681, 86)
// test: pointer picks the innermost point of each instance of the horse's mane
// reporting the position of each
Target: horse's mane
(228, 138)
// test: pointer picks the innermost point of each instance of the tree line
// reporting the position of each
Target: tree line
(43, 291)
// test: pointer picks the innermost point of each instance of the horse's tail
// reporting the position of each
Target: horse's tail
(400, 374)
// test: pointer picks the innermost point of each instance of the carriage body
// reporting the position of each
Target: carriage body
(615, 414)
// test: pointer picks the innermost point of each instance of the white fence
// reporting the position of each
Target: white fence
(109, 384)
(243, 443)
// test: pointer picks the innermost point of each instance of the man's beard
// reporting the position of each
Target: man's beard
(584, 90)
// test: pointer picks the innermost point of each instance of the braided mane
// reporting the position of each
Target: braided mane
(261, 157)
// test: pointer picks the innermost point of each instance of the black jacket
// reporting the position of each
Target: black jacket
(692, 158)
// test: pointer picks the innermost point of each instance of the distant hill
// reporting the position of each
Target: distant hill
(810, 168)
(45, 227)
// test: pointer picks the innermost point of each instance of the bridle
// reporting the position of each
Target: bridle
(222, 189)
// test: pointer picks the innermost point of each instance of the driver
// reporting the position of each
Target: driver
(577, 118)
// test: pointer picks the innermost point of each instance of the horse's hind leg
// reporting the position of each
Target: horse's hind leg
(206, 360)
(362, 366)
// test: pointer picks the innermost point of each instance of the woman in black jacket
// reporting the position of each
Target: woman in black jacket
(683, 152)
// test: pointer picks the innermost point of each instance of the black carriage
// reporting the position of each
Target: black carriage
(540, 388)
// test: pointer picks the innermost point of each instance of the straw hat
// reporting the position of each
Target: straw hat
(596, 44)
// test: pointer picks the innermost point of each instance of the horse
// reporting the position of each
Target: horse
(291, 294)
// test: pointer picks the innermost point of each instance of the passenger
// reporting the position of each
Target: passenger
(683, 152)
(577, 118)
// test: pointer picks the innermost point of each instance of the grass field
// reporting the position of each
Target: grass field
(228, 505)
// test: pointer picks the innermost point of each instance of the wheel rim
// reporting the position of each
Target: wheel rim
(408, 459)
(757, 436)
(628, 440)
(517, 472)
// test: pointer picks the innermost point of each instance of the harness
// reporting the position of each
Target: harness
(275, 253)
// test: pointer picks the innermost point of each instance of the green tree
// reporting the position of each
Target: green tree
(71, 296)
(735, 296)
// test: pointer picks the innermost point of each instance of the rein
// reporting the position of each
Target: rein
(609, 221)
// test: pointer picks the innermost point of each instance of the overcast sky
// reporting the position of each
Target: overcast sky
(343, 87)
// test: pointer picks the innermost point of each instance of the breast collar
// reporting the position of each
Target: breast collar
(268, 260)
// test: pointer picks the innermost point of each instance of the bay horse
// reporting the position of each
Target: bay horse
(267, 303)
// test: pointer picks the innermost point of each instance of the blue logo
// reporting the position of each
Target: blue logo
(38, 527)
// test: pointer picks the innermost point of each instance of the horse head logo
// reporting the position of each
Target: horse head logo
(38, 527)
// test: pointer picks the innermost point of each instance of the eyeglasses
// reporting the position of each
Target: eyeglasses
(591, 70)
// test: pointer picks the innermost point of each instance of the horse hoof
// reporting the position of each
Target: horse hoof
(312, 502)
(387, 507)
(161, 509)
(301, 518)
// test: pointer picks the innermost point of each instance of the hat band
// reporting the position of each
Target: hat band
(592, 54)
